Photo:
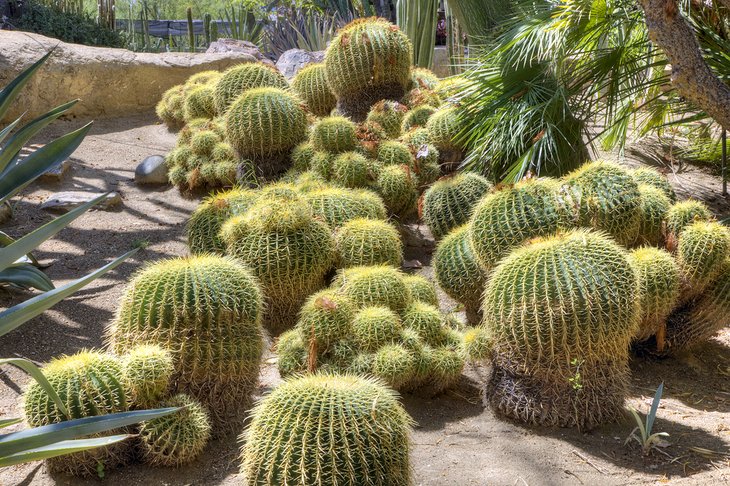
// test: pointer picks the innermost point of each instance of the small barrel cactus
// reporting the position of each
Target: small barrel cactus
(176, 439)
(703, 248)
(351, 430)
(207, 220)
(199, 103)
(658, 287)
(421, 289)
(311, 85)
(378, 285)
(389, 115)
(684, 213)
(89, 384)
(354, 170)
(560, 313)
(375, 327)
(206, 311)
(301, 156)
(421, 97)
(334, 135)
(476, 344)
(322, 164)
(325, 318)
(171, 107)
(242, 78)
(394, 364)
(654, 207)
(337, 206)
(147, 371)
(424, 78)
(292, 352)
(366, 242)
(450, 201)
(427, 321)
(443, 129)
(417, 118)
(397, 186)
(649, 176)
(395, 153)
(445, 367)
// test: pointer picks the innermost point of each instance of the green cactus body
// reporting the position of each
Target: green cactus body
(334, 135)
(337, 206)
(417, 117)
(427, 167)
(265, 124)
(703, 248)
(310, 181)
(505, 219)
(421, 289)
(427, 321)
(325, 318)
(223, 152)
(207, 311)
(606, 198)
(424, 78)
(684, 213)
(477, 345)
(369, 60)
(287, 248)
(395, 365)
(443, 128)
(226, 174)
(203, 142)
(311, 85)
(89, 384)
(445, 367)
(561, 313)
(205, 223)
(375, 327)
(301, 156)
(389, 115)
(366, 242)
(178, 175)
(654, 207)
(199, 103)
(649, 176)
(421, 97)
(657, 275)
(242, 78)
(396, 184)
(354, 170)
(171, 107)
(374, 286)
(344, 430)
(322, 164)
(450, 201)
(415, 138)
(292, 353)
(177, 439)
(395, 153)
(147, 371)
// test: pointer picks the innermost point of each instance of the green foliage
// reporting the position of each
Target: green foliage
(73, 27)
(334, 135)
(337, 206)
(358, 420)
(204, 225)
(239, 79)
(366, 242)
(548, 324)
(396, 184)
(311, 85)
(450, 201)
(147, 371)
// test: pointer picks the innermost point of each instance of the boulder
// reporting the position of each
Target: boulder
(68, 200)
(293, 60)
(240, 46)
(151, 170)
(109, 82)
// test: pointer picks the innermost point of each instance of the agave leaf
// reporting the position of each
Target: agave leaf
(17, 315)
(8, 422)
(60, 449)
(38, 376)
(34, 438)
(11, 91)
(6, 131)
(26, 276)
(654, 407)
(11, 149)
(5, 240)
(23, 172)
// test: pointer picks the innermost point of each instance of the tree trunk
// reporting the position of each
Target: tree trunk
(691, 75)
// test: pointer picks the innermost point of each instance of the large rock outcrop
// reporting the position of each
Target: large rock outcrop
(109, 82)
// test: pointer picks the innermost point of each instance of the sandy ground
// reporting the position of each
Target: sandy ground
(457, 440)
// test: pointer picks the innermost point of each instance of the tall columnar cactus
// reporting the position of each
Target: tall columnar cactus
(205, 223)
(89, 384)
(207, 311)
(365, 242)
(147, 371)
(682, 214)
(397, 185)
(369, 60)
(658, 287)
(506, 218)
(395, 153)
(389, 115)
(377, 285)
(354, 170)
(649, 176)
(311, 85)
(334, 135)
(351, 430)
(199, 103)
(239, 79)
(421, 289)
(561, 313)
(264, 124)
(177, 439)
(654, 207)
(288, 250)
(703, 248)
(606, 198)
(337, 206)
(450, 201)
(457, 271)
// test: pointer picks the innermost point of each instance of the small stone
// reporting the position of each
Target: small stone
(412, 264)
(151, 170)
(66, 201)
(55, 174)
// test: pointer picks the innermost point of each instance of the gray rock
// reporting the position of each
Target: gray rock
(55, 174)
(235, 45)
(416, 236)
(293, 60)
(151, 170)
(68, 200)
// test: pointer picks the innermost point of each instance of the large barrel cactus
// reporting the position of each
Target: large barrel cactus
(703, 248)
(311, 85)
(365, 242)
(344, 430)
(449, 202)
(207, 220)
(207, 311)
(89, 384)
(369, 60)
(560, 314)
(239, 79)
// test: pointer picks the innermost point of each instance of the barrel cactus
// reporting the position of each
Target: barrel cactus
(322, 164)
(426, 321)
(649, 176)
(292, 352)
(334, 135)
(171, 107)
(311, 85)
(424, 78)
(176, 439)
(354, 170)
(301, 156)
(389, 115)
(397, 186)
(394, 364)
(147, 371)
(366, 242)
(417, 117)
(395, 153)
(560, 313)
(654, 207)
(421, 96)
(379, 285)
(205, 223)
(703, 248)
(443, 129)
(264, 125)
(477, 345)
(421, 289)
(337, 206)
(242, 78)
(206, 310)
(288, 250)
(682, 214)
(88, 383)
(376, 326)
(369, 60)
(325, 318)
(351, 430)
(199, 103)
(450, 201)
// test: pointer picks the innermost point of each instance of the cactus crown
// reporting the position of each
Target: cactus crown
(684, 213)
(649, 176)
(362, 242)
(338, 206)
(206, 221)
(376, 285)
(443, 128)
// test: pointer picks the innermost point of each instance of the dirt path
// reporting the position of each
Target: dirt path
(457, 441)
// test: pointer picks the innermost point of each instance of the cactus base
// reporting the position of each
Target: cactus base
(357, 107)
